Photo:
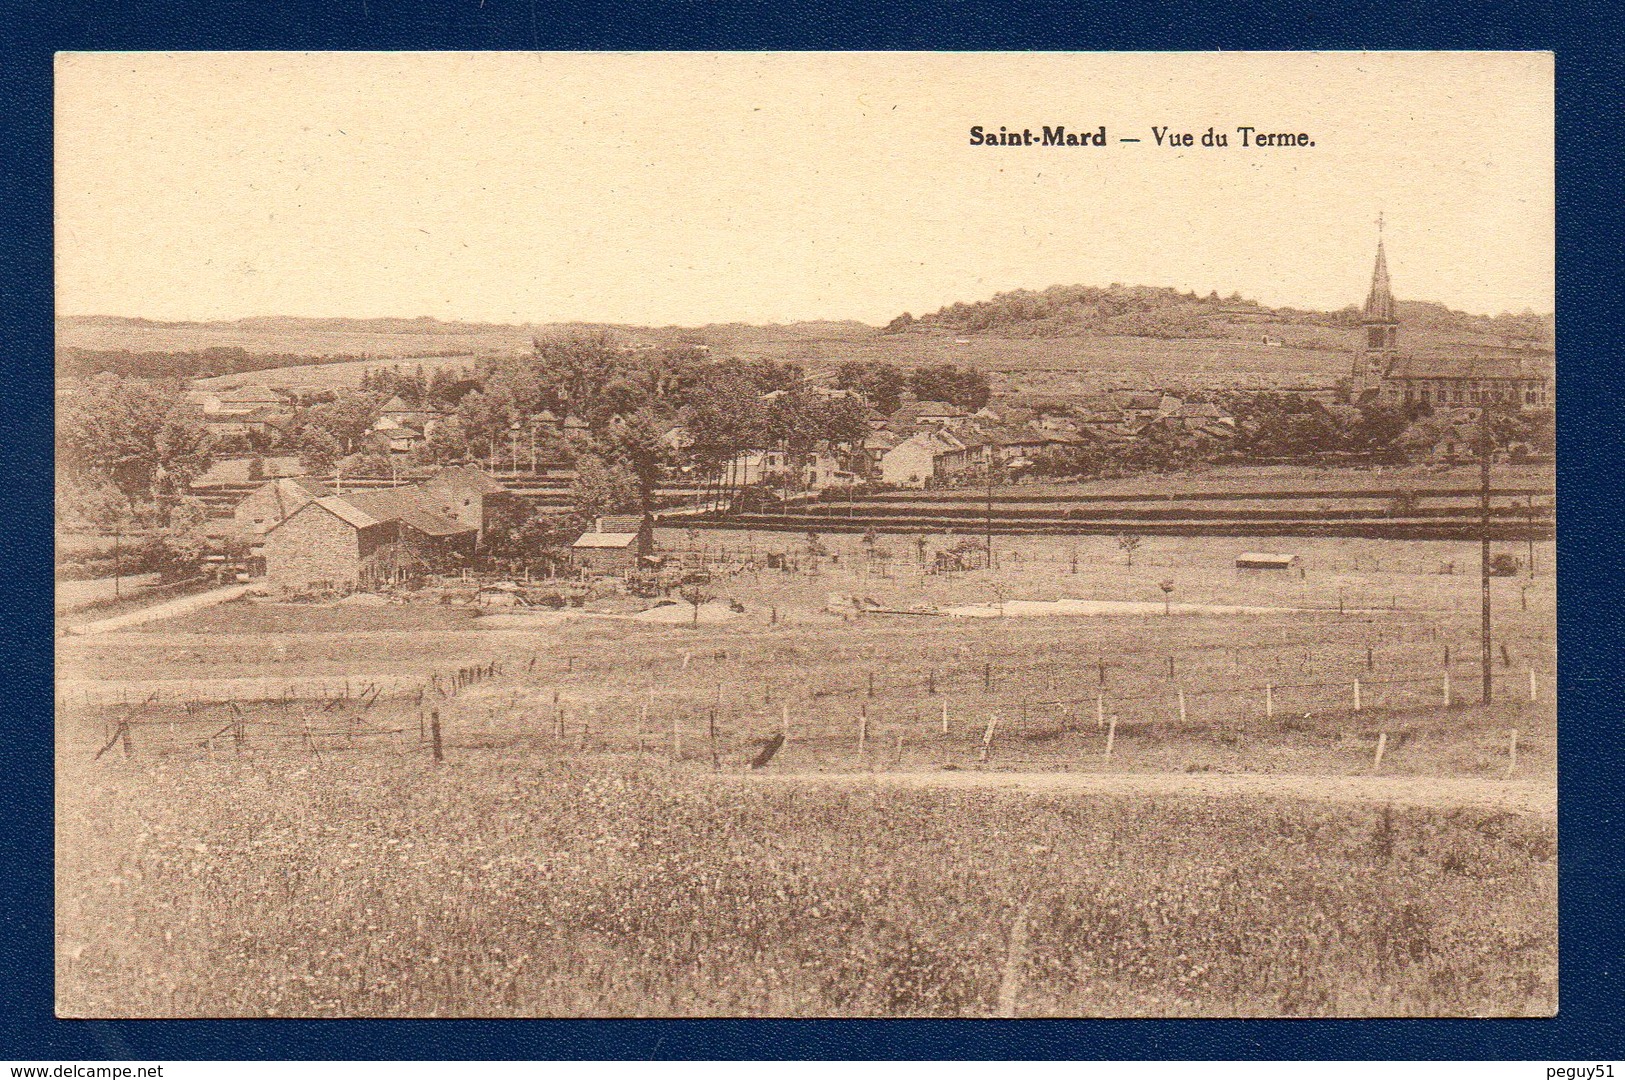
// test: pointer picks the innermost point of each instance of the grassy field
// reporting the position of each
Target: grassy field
(345, 374)
(1048, 365)
(594, 843)
(504, 886)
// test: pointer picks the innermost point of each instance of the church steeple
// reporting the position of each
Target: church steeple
(1379, 302)
(1379, 321)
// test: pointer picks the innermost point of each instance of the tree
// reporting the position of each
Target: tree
(317, 448)
(696, 596)
(602, 487)
(1129, 542)
(880, 384)
(484, 419)
(131, 434)
(347, 418)
(965, 387)
(90, 502)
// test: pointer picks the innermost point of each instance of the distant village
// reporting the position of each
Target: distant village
(399, 481)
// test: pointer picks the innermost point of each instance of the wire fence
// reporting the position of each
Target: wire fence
(976, 713)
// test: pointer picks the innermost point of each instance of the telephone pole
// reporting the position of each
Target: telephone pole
(1484, 544)
(989, 517)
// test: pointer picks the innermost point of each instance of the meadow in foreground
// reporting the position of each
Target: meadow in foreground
(501, 885)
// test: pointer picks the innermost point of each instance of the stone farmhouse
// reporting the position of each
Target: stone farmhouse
(340, 542)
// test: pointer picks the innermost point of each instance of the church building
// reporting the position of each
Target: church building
(1451, 376)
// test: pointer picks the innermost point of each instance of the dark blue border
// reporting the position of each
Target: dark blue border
(1590, 168)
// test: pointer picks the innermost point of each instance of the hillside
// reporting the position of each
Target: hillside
(1063, 340)
(1146, 311)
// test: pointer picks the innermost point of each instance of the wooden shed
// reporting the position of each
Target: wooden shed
(1265, 560)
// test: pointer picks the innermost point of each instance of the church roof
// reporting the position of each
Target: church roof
(1379, 302)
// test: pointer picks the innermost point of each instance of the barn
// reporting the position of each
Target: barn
(343, 541)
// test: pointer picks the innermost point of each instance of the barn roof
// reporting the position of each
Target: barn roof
(347, 511)
(469, 477)
(411, 507)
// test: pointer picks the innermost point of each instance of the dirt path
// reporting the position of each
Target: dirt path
(1440, 792)
(181, 605)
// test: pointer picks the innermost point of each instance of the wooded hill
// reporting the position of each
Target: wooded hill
(1146, 311)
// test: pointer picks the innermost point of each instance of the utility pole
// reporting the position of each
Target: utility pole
(989, 517)
(1531, 538)
(1484, 543)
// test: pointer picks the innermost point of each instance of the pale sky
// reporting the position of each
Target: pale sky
(691, 188)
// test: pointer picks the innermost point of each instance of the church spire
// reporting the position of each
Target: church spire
(1379, 322)
(1379, 302)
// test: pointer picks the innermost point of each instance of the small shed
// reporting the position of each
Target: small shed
(615, 545)
(1265, 560)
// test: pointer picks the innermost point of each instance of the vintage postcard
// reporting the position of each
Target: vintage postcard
(805, 534)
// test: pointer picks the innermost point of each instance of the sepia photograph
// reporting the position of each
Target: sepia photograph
(770, 534)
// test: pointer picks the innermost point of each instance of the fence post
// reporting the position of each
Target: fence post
(1356, 695)
(434, 734)
(987, 736)
(945, 718)
(124, 735)
(1512, 753)
(863, 727)
(1532, 690)
(1447, 688)
(1111, 737)
(931, 681)
(1100, 711)
(871, 684)
(1269, 702)
(1181, 704)
(1382, 744)
(987, 678)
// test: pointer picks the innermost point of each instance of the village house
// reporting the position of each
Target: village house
(875, 447)
(466, 495)
(614, 545)
(909, 418)
(923, 457)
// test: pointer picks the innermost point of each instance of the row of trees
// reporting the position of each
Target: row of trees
(883, 385)
(1275, 427)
